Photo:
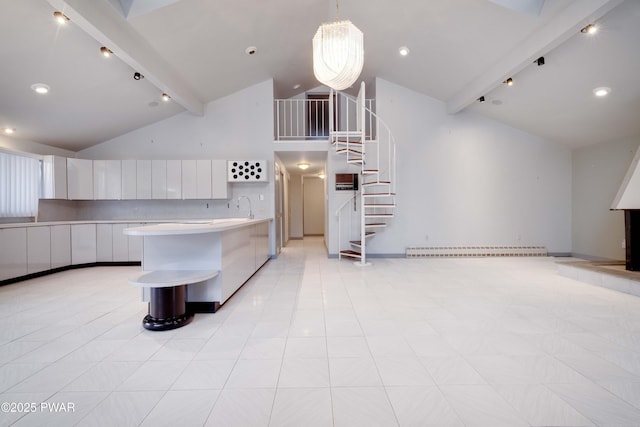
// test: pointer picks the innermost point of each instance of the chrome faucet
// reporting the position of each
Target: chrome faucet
(249, 200)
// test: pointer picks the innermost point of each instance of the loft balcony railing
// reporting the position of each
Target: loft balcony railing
(308, 119)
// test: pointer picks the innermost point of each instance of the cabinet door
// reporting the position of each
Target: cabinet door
(60, 246)
(104, 243)
(128, 180)
(189, 179)
(203, 184)
(83, 244)
(174, 179)
(120, 243)
(80, 179)
(158, 179)
(143, 179)
(219, 184)
(13, 252)
(54, 177)
(107, 180)
(38, 249)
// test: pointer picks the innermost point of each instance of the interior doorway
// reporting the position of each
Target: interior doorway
(313, 206)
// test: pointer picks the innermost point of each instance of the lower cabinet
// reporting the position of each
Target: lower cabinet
(104, 242)
(83, 244)
(60, 246)
(38, 249)
(13, 252)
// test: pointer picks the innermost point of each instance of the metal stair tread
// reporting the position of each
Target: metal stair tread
(350, 253)
(348, 150)
(372, 183)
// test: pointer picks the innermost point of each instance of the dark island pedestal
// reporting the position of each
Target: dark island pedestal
(632, 239)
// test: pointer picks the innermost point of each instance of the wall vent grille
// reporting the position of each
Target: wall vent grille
(475, 251)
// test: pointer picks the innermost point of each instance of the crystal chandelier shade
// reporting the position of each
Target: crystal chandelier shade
(338, 54)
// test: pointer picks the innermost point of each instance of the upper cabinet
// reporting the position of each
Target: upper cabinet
(80, 179)
(219, 183)
(107, 179)
(143, 179)
(54, 177)
(129, 180)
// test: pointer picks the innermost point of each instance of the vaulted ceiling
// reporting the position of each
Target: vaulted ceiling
(194, 50)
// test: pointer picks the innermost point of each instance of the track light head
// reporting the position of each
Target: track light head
(509, 82)
(540, 61)
(589, 29)
(481, 99)
(137, 76)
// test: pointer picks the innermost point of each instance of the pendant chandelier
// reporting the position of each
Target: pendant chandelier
(338, 53)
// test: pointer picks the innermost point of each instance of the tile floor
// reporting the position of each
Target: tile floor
(311, 341)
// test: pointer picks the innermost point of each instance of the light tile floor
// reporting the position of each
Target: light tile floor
(311, 341)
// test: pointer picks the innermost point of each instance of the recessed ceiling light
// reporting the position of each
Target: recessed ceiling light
(589, 29)
(404, 51)
(106, 52)
(303, 165)
(40, 88)
(602, 91)
(60, 17)
(8, 131)
(251, 50)
(296, 86)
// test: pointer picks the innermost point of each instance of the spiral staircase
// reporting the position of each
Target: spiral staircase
(366, 143)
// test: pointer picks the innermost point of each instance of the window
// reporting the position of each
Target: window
(19, 185)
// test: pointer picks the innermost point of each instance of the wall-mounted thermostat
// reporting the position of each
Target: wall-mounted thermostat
(247, 171)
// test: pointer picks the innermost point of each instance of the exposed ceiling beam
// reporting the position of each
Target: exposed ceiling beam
(100, 20)
(553, 34)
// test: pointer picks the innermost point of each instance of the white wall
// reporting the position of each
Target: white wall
(598, 171)
(468, 180)
(25, 146)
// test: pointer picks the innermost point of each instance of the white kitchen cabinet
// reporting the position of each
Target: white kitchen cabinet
(13, 252)
(60, 246)
(79, 179)
(128, 180)
(120, 243)
(219, 183)
(54, 177)
(158, 179)
(143, 179)
(83, 244)
(174, 179)
(107, 180)
(189, 179)
(203, 179)
(38, 249)
(104, 242)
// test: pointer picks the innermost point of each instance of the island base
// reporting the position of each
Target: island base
(167, 309)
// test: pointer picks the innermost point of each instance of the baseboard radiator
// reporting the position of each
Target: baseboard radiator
(475, 251)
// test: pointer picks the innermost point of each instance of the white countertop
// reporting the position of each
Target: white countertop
(192, 226)
(123, 221)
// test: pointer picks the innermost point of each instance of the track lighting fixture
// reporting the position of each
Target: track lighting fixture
(106, 52)
(540, 61)
(137, 76)
(60, 17)
(589, 29)
(509, 82)
(165, 97)
(481, 99)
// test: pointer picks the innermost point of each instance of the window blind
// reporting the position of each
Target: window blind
(19, 185)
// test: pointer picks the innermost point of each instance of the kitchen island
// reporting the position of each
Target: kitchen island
(233, 248)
